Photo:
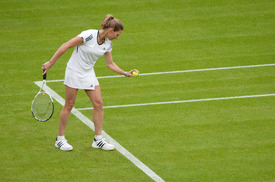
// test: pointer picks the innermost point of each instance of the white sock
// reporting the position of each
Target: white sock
(60, 138)
(98, 137)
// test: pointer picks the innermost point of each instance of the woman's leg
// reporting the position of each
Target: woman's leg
(99, 142)
(95, 97)
(70, 96)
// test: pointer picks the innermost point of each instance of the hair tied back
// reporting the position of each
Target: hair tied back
(111, 22)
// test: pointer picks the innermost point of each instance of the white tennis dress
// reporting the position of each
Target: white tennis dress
(80, 68)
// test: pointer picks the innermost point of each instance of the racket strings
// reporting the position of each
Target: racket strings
(42, 106)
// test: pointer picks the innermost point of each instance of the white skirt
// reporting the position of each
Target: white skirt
(77, 80)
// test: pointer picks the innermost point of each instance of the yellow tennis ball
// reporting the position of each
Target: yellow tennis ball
(135, 73)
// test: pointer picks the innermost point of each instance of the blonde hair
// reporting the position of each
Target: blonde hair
(111, 22)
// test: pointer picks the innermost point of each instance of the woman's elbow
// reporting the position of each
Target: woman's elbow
(108, 65)
(65, 46)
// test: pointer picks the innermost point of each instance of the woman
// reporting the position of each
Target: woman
(89, 46)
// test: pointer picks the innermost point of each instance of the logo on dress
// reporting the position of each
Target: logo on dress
(89, 38)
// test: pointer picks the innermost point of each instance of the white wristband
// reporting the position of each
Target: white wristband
(125, 74)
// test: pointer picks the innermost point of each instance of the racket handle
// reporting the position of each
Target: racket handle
(44, 76)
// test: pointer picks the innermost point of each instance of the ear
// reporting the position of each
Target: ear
(111, 29)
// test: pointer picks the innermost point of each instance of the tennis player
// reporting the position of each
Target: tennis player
(88, 46)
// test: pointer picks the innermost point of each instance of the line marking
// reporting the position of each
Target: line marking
(209, 69)
(183, 71)
(183, 101)
(119, 147)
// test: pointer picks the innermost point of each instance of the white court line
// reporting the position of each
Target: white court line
(183, 71)
(183, 101)
(119, 148)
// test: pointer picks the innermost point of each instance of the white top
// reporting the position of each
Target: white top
(85, 55)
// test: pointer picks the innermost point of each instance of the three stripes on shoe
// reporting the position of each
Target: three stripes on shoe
(100, 144)
(59, 144)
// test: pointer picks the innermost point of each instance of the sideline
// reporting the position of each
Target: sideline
(183, 101)
(183, 71)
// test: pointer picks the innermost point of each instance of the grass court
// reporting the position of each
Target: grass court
(216, 140)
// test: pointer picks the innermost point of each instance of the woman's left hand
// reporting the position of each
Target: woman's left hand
(130, 73)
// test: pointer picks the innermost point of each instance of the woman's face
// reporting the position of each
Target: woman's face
(113, 34)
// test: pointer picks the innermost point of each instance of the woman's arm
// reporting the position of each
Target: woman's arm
(112, 65)
(71, 43)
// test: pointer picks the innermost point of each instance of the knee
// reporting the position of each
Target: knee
(98, 105)
(69, 106)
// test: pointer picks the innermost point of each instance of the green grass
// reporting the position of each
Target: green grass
(226, 140)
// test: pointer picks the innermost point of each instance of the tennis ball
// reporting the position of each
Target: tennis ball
(135, 73)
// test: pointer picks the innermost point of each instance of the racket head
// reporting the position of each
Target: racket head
(42, 107)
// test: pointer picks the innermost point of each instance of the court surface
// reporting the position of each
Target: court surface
(201, 110)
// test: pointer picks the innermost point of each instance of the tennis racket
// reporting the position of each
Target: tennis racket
(42, 105)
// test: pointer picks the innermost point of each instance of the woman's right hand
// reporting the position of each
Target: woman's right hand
(46, 66)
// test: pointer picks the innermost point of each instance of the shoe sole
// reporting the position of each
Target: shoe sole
(96, 147)
(70, 149)
(66, 149)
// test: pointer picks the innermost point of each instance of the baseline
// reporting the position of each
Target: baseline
(119, 147)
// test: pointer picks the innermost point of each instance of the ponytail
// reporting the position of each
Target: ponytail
(111, 22)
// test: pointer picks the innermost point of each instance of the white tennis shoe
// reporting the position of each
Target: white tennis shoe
(63, 145)
(102, 144)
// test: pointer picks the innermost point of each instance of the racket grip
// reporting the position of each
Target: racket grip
(44, 76)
